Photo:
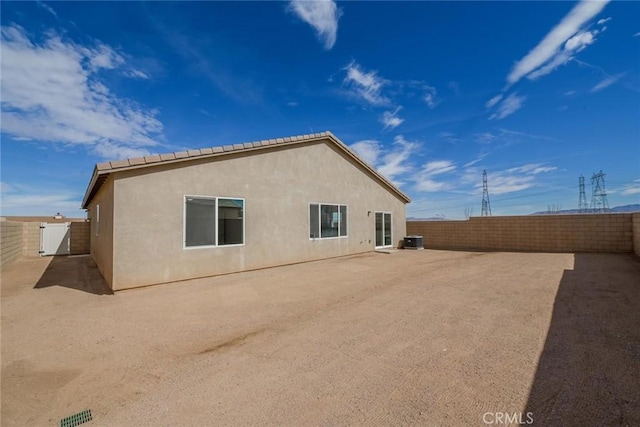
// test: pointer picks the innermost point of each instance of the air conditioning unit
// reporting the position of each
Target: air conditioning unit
(413, 242)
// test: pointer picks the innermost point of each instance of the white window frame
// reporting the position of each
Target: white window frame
(96, 228)
(319, 222)
(216, 198)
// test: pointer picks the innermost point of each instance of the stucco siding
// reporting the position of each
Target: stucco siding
(277, 186)
(101, 230)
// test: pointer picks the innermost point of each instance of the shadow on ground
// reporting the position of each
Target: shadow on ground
(589, 370)
(74, 272)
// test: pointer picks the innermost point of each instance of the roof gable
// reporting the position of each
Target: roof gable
(102, 170)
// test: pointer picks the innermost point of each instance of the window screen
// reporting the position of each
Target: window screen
(343, 220)
(200, 222)
(230, 222)
(314, 221)
(327, 221)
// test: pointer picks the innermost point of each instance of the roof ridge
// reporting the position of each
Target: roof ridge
(197, 152)
(102, 170)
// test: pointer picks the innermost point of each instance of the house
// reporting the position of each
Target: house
(212, 211)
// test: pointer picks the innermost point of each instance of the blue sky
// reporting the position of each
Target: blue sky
(429, 93)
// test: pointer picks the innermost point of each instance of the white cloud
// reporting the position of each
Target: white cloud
(608, 81)
(603, 20)
(508, 106)
(366, 85)
(570, 92)
(137, 74)
(493, 101)
(636, 34)
(47, 8)
(112, 151)
(390, 119)
(550, 51)
(395, 162)
(449, 137)
(47, 203)
(633, 188)
(425, 181)
(4, 187)
(50, 93)
(431, 97)
(485, 137)
(368, 150)
(322, 15)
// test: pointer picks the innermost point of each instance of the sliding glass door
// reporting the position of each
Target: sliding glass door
(383, 230)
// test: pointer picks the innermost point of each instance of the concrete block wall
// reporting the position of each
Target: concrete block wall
(636, 233)
(22, 239)
(544, 233)
(30, 239)
(10, 242)
(79, 237)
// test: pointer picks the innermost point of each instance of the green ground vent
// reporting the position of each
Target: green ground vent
(76, 419)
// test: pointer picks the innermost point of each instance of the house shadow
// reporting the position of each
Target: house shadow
(589, 370)
(74, 272)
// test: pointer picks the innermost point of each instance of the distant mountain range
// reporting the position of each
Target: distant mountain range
(617, 209)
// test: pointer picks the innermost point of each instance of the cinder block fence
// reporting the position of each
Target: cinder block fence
(618, 232)
(22, 239)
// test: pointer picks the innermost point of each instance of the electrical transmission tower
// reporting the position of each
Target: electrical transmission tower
(583, 207)
(599, 202)
(486, 205)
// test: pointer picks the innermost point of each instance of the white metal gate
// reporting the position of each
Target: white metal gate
(54, 239)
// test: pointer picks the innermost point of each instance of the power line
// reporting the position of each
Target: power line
(582, 199)
(486, 205)
(599, 202)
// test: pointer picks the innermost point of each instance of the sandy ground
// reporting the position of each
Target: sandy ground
(411, 338)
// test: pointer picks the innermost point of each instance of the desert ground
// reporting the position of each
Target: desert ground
(432, 338)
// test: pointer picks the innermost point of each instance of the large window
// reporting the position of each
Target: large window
(327, 221)
(213, 221)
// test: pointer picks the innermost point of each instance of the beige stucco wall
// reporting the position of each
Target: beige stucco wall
(543, 233)
(101, 242)
(277, 185)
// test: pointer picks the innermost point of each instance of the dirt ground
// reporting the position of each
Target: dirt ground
(412, 338)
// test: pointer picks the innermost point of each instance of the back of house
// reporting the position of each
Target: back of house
(240, 207)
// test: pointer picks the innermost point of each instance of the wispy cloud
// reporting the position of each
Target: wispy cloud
(603, 20)
(47, 8)
(450, 137)
(508, 106)
(431, 97)
(137, 74)
(390, 119)
(365, 85)
(23, 200)
(608, 81)
(322, 15)
(426, 182)
(493, 101)
(368, 150)
(396, 162)
(508, 180)
(636, 34)
(557, 46)
(455, 87)
(630, 189)
(51, 93)
(485, 137)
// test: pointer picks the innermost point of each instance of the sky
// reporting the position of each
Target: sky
(429, 93)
